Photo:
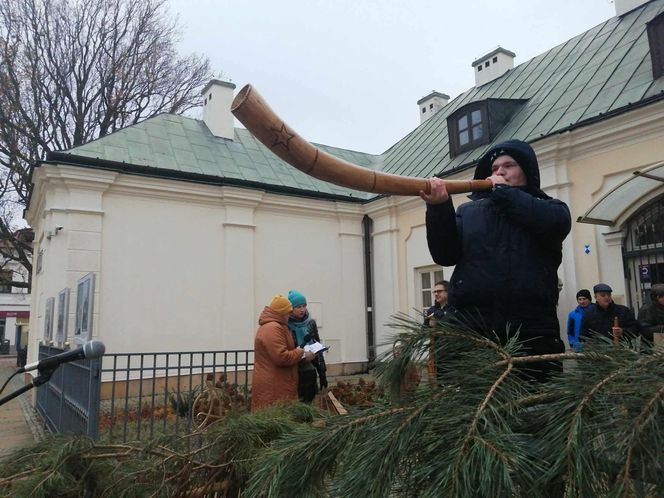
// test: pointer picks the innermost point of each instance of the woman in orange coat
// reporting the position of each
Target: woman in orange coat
(275, 357)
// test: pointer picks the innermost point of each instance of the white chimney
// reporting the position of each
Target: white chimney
(624, 6)
(493, 65)
(431, 104)
(217, 99)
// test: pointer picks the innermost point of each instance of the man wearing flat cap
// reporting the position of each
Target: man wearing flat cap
(507, 247)
(602, 318)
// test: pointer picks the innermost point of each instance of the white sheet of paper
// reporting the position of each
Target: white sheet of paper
(316, 347)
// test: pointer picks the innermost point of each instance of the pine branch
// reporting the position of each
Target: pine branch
(475, 430)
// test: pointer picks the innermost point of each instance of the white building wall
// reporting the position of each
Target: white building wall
(316, 248)
(386, 270)
(182, 266)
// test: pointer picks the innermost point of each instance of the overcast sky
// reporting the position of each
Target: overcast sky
(348, 73)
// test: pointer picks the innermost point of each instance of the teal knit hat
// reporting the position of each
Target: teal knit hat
(296, 298)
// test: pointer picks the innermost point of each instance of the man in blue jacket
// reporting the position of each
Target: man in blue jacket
(575, 317)
(507, 247)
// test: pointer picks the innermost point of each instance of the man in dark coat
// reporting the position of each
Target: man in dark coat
(651, 316)
(601, 319)
(440, 308)
(507, 246)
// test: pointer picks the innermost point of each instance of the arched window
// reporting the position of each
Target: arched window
(643, 251)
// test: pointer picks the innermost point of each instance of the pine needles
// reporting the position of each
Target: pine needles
(215, 461)
(474, 428)
(478, 429)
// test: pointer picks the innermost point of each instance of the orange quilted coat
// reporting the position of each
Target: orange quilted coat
(275, 361)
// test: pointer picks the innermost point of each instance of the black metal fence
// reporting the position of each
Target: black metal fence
(69, 402)
(149, 394)
(133, 396)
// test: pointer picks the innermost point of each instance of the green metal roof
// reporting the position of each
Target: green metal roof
(602, 72)
(186, 146)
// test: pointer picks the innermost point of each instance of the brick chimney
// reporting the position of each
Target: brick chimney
(217, 99)
(493, 65)
(431, 104)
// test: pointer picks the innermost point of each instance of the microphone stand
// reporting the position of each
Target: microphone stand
(43, 377)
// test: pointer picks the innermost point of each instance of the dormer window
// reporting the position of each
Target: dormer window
(468, 128)
(478, 123)
(655, 30)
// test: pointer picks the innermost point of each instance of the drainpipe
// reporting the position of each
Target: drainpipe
(367, 229)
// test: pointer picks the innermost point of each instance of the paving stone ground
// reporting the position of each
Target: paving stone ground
(19, 423)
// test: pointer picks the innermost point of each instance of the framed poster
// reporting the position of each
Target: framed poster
(48, 320)
(63, 316)
(85, 294)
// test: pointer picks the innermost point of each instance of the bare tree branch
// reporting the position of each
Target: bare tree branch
(72, 71)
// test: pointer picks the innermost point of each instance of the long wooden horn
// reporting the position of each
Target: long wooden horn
(254, 113)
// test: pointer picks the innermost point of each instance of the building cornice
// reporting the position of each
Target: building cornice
(639, 125)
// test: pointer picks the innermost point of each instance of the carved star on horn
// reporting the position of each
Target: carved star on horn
(282, 137)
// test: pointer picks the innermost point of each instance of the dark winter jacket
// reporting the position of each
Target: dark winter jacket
(305, 331)
(437, 312)
(507, 246)
(574, 320)
(600, 320)
(651, 320)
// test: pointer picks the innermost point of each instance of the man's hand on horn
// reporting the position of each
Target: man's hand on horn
(438, 193)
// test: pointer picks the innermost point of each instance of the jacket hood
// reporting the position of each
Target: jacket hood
(269, 315)
(523, 154)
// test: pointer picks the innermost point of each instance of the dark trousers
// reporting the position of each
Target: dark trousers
(541, 371)
(307, 385)
(544, 340)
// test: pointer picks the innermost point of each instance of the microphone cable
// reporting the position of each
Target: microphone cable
(7, 381)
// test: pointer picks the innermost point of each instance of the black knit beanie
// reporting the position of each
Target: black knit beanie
(583, 293)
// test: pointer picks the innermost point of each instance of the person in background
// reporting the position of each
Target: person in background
(602, 317)
(440, 308)
(575, 317)
(437, 313)
(305, 331)
(276, 357)
(411, 375)
(651, 316)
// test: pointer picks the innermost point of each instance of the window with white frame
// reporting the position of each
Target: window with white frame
(427, 278)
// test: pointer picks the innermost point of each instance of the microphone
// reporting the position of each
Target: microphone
(305, 340)
(89, 350)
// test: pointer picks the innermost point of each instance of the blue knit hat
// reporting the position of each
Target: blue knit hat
(296, 298)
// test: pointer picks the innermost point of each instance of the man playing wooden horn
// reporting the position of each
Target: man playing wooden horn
(507, 247)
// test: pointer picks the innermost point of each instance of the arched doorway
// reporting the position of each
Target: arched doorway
(643, 251)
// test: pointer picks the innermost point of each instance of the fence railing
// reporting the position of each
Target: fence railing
(144, 395)
(69, 402)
